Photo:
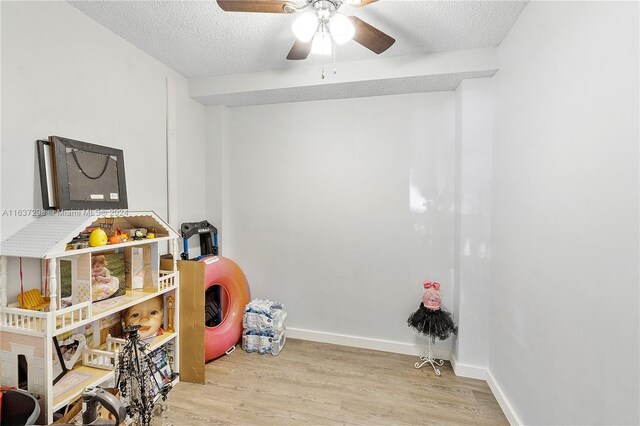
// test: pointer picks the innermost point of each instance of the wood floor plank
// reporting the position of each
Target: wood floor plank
(321, 384)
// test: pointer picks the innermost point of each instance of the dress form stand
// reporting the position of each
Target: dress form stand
(428, 358)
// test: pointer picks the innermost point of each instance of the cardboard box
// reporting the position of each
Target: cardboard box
(192, 361)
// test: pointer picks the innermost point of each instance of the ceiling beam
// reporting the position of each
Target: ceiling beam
(217, 89)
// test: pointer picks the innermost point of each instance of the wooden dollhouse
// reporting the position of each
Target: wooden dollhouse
(30, 321)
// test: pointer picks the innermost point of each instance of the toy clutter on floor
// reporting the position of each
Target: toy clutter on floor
(264, 323)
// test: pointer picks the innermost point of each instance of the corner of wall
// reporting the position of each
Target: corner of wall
(472, 224)
(217, 129)
(502, 399)
(465, 370)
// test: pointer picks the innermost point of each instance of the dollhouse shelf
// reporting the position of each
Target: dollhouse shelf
(47, 236)
(30, 333)
(108, 307)
(108, 247)
(34, 323)
(94, 376)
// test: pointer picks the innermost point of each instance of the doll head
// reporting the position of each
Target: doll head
(148, 315)
(98, 262)
(431, 297)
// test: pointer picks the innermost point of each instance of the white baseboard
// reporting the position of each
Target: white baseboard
(364, 342)
(507, 409)
(466, 370)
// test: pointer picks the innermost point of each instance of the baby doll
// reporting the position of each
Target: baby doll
(430, 319)
(148, 315)
(103, 285)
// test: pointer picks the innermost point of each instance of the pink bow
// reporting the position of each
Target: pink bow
(429, 284)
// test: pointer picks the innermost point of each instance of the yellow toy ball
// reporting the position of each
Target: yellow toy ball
(98, 238)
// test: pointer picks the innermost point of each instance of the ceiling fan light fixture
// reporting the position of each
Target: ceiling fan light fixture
(341, 28)
(321, 43)
(305, 26)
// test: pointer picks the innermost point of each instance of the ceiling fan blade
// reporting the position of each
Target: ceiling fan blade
(299, 50)
(361, 3)
(260, 6)
(371, 37)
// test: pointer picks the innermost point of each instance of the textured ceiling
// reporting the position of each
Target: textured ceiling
(198, 39)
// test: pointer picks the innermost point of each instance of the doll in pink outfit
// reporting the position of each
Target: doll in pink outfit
(430, 319)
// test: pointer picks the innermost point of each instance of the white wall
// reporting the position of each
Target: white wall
(341, 209)
(217, 136)
(192, 174)
(472, 237)
(564, 296)
(64, 74)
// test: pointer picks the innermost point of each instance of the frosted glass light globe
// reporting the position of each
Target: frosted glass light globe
(305, 26)
(341, 28)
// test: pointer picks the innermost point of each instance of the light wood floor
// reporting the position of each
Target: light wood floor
(316, 383)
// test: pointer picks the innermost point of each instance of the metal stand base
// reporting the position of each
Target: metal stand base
(427, 358)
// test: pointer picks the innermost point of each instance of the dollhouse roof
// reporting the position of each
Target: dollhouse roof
(48, 235)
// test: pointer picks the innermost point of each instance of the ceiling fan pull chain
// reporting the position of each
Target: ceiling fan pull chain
(335, 70)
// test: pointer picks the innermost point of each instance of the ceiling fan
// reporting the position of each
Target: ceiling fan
(319, 25)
